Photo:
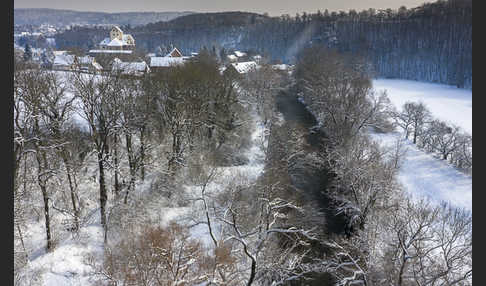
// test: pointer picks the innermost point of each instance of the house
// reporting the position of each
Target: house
(63, 62)
(161, 63)
(87, 63)
(174, 58)
(232, 58)
(175, 53)
(118, 42)
(243, 67)
(130, 68)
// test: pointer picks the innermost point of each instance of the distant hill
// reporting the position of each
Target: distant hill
(216, 19)
(37, 16)
(431, 42)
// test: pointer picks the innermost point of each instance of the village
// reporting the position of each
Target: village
(118, 53)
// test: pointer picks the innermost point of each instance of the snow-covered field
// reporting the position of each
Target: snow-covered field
(423, 174)
(446, 102)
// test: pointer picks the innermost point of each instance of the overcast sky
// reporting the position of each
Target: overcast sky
(273, 7)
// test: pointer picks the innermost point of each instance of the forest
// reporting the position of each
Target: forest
(432, 42)
(167, 168)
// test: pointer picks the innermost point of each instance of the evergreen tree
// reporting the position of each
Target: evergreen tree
(27, 53)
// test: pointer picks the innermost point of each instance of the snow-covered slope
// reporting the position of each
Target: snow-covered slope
(423, 174)
(446, 102)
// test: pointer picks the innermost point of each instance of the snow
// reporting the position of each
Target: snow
(85, 60)
(244, 67)
(166, 61)
(232, 57)
(65, 265)
(63, 60)
(423, 174)
(111, 51)
(445, 102)
(240, 54)
(171, 52)
(130, 67)
(105, 42)
(115, 43)
(281, 67)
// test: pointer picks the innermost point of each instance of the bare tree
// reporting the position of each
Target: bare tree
(101, 107)
(338, 90)
(35, 90)
(429, 245)
(404, 118)
(420, 116)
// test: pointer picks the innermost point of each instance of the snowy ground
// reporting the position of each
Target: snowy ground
(422, 174)
(446, 102)
(66, 264)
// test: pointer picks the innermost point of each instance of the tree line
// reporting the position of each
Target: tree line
(435, 136)
(432, 42)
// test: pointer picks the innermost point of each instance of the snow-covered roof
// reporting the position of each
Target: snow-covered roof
(281, 67)
(240, 54)
(129, 67)
(63, 60)
(85, 60)
(97, 66)
(111, 51)
(245, 67)
(232, 57)
(115, 43)
(105, 41)
(174, 50)
(166, 61)
(59, 52)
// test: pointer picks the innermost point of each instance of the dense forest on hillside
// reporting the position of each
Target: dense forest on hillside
(33, 16)
(432, 42)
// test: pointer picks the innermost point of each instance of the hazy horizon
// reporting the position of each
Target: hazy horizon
(272, 7)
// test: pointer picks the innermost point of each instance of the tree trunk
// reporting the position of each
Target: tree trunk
(415, 135)
(253, 273)
(103, 195)
(46, 214)
(402, 269)
(72, 189)
(142, 153)
(115, 155)
(131, 164)
(42, 169)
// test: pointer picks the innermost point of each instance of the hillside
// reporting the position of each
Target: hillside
(38, 16)
(393, 41)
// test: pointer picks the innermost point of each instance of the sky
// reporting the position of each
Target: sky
(272, 7)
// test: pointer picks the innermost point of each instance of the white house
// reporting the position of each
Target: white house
(64, 61)
(174, 58)
(117, 41)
